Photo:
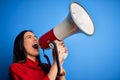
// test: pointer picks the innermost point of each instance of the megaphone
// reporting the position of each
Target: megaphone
(78, 21)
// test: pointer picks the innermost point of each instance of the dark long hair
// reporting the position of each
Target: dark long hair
(19, 50)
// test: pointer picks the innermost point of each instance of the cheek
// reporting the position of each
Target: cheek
(27, 45)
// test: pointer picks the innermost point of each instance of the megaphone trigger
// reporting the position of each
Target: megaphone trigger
(51, 45)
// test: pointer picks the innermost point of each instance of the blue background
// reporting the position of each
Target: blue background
(94, 57)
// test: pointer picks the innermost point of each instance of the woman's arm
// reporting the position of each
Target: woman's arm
(62, 75)
(53, 71)
(61, 78)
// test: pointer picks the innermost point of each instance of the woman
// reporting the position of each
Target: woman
(26, 62)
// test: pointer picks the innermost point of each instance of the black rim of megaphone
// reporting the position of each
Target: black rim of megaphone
(88, 15)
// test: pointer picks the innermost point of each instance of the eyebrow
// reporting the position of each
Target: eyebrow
(27, 36)
(30, 35)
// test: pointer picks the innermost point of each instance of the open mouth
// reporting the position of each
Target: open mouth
(35, 46)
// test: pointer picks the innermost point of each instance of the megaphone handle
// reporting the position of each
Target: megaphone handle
(57, 58)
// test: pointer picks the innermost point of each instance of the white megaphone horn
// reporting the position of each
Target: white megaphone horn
(77, 21)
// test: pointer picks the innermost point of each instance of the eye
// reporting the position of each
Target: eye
(36, 37)
(29, 37)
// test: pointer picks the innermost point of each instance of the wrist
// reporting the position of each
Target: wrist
(62, 73)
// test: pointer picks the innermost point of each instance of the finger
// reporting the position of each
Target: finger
(65, 55)
(62, 61)
(66, 51)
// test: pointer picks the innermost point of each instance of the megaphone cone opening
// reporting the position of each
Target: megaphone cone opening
(81, 18)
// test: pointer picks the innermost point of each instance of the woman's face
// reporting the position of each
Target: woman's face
(31, 44)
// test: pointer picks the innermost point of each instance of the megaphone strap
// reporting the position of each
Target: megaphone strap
(47, 58)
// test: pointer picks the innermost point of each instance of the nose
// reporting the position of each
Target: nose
(35, 38)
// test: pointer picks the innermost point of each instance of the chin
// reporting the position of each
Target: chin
(36, 53)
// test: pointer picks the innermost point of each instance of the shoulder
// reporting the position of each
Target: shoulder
(17, 71)
(15, 67)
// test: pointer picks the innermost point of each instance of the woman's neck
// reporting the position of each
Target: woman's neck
(32, 58)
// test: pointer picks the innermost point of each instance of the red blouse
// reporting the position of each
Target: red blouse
(28, 70)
